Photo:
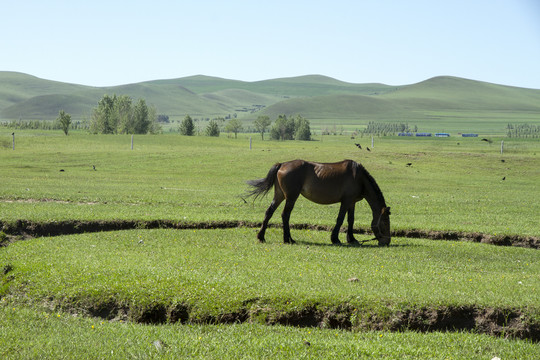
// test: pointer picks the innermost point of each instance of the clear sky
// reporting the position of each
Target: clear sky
(110, 42)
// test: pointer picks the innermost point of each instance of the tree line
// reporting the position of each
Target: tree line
(385, 129)
(43, 125)
(523, 131)
(121, 115)
(284, 128)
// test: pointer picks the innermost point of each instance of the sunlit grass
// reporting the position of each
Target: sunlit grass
(216, 271)
(451, 184)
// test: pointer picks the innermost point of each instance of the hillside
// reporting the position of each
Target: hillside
(440, 103)
(447, 92)
(345, 106)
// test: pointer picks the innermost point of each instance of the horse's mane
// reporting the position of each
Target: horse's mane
(360, 170)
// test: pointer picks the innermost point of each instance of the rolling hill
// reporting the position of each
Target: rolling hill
(440, 103)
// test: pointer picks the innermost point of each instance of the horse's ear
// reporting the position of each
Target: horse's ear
(385, 210)
(388, 210)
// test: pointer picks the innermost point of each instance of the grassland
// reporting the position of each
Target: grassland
(97, 285)
(452, 184)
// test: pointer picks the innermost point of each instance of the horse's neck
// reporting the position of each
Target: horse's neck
(373, 198)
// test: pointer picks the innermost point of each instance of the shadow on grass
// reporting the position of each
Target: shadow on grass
(355, 246)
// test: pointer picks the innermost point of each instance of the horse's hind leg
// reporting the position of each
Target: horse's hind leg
(350, 220)
(278, 199)
(285, 216)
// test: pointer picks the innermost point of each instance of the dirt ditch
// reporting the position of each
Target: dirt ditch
(513, 323)
(507, 323)
(30, 229)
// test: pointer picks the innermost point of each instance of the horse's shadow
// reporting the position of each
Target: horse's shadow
(351, 246)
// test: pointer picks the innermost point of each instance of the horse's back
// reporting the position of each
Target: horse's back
(323, 183)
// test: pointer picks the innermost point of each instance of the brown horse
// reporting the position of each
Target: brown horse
(345, 182)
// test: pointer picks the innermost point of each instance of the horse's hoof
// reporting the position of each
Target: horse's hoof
(354, 243)
(262, 241)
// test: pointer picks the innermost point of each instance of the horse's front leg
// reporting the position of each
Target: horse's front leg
(285, 216)
(339, 221)
(350, 220)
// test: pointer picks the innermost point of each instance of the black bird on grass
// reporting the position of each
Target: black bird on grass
(409, 164)
(368, 149)
(358, 146)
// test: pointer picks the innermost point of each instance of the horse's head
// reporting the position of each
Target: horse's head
(381, 227)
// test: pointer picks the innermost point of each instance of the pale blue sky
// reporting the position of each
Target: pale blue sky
(111, 42)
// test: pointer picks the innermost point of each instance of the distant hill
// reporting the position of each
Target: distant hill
(439, 103)
(446, 92)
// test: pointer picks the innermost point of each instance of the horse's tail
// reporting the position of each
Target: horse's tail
(262, 186)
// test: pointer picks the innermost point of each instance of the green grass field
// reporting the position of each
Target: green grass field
(451, 184)
(184, 279)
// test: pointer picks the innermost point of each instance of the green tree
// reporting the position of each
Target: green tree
(302, 129)
(64, 119)
(261, 123)
(283, 128)
(124, 113)
(140, 117)
(235, 126)
(155, 126)
(212, 129)
(187, 127)
(104, 120)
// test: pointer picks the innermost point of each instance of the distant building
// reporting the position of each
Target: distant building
(405, 134)
(423, 134)
(469, 135)
(442, 135)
